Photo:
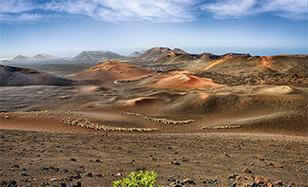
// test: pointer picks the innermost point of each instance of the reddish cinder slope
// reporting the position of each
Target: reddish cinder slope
(183, 80)
(266, 62)
(112, 70)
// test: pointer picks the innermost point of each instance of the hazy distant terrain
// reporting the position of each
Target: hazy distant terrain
(61, 66)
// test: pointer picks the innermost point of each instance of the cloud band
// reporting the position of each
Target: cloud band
(151, 10)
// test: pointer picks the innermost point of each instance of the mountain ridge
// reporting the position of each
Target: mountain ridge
(95, 56)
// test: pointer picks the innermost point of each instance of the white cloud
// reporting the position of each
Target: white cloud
(230, 8)
(291, 9)
(151, 10)
(30, 17)
(128, 10)
(20, 17)
(15, 6)
(18, 11)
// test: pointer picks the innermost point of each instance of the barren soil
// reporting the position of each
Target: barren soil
(96, 159)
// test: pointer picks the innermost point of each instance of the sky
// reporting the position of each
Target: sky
(67, 27)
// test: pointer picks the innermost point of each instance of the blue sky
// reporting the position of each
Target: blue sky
(67, 27)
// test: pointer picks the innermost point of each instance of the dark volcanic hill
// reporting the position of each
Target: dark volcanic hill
(15, 76)
(95, 56)
(164, 55)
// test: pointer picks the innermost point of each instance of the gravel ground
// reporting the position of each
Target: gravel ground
(96, 159)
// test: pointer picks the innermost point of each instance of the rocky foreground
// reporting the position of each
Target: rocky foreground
(97, 159)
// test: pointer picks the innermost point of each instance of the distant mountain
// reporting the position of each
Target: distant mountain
(136, 53)
(26, 59)
(41, 57)
(21, 58)
(15, 76)
(164, 55)
(155, 53)
(95, 56)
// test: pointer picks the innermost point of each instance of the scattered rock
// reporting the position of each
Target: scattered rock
(11, 183)
(64, 97)
(171, 179)
(118, 174)
(55, 179)
(24, 174)
(78, 184)
(89, 174)
(188, 181)
(98, 175)
(279, 182)
(247, 171)
(175, 163)
(16, 166)
(210, 181)
(177, 183)
(45, 184)
(76, 176)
